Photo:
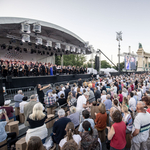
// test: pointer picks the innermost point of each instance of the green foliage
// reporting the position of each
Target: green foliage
(105, 64)
(58, 60)
(74, 60)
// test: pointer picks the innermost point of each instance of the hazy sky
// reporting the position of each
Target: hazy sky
(95, 21)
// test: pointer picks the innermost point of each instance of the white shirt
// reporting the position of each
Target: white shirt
(61, 92)
(132, 104)
(103, 97)
(63, 88)
(81, 100)
(54, 95)
(139, 95)
(21, 105)
(76, 137)
(141, 121)
(115, 89)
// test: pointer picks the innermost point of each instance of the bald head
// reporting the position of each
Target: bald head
(140, 106)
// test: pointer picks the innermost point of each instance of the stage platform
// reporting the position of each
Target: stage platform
(17, 82)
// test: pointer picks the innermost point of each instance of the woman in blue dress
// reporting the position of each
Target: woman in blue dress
(51, 70)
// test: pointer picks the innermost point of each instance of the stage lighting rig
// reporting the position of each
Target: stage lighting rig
(58, 46)
(25, 27)
(25, 38)
(79, 51)
(49, 44)
(38, 41)
(73, 49)
(67, 48)
(36, 27)
(10, 48)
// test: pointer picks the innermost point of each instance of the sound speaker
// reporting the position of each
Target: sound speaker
(1, 93)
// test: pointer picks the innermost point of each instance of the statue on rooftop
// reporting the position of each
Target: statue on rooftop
(140, 45)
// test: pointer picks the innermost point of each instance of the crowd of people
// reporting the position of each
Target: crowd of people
(116, 107)
(20, 68)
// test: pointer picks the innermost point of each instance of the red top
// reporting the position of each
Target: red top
(93, 85)
(121, 97)
(148, 110)
(101, 120)
(9, 111)
(132, 87)
(119, 139)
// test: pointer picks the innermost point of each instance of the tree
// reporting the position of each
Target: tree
(58, 60)
(105, 64)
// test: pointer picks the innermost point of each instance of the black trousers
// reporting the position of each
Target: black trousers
(12, 138)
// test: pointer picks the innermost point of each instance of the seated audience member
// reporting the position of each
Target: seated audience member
(101, 118)
(140, 130)
(127, 118)
(70, 135)
(74, 116)
(71, 100)
(86, 116)
(21, 105)
(54, 94)
(9, 110)
(120, 96)
(12, 137)
(49, 100)
(36, 122)
(94, 109)
(89, 138)
(34, 143)
(70, 145)
(117, 132)
(103, 96)
(59, 127)
(108, 103)
(146, 101)
(62, 100)
(18, 98)
(82, 102)
(29, 107)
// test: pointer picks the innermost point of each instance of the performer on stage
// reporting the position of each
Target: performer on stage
(51, 70)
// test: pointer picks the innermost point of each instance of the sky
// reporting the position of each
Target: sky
(96, 21)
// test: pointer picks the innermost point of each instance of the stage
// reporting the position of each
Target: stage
(18, 82)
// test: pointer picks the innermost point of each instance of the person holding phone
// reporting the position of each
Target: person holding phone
(3, 135)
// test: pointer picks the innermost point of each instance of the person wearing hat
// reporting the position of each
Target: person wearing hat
(9, 110)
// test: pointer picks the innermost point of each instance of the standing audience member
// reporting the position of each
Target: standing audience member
(140, 130)
(61, 92)
(62, 100)
(59, 127)
(41, 93)
(117, 132)
(70, 145)
(86, 117)
(127, 119)
(103, 97)
(29, 107)
(70, 134)
(101, 118)
(132, 102)
(120, 96)
(97, 93)
(89, 137)
(146, 101)
(50, 90)
(108, 103)
(74, 116)
(67, 90)
(91, 95)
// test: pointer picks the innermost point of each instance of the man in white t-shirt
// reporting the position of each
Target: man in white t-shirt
(140, 130)
(139, 93)
(103, 96)
(82, 101)
(132, 102)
